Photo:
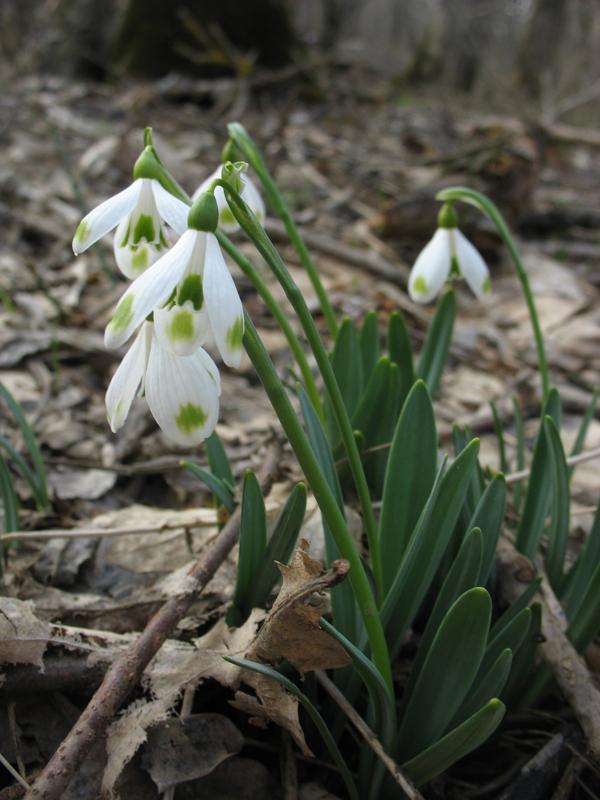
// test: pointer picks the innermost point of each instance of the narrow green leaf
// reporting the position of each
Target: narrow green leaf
(500, 436)
(581, 572)
(509, 636)
(30, 443)
(437, 343)
(585, 623)
(515, 608)
(539, 488)
(218, 461)
(461, 577)
(25, 470)
(346, 361)
(489, 516)
(491, 685)
(456, 744)
(523, 662)
(253, 545)
(447, 672)
(317, 719)
(426, 547)
(400, 350)
(216, 485)
(280, 546)
(583, 428)
(10, 503)
(520, 452)
(406, 488)
(369, 345)
(558, 533)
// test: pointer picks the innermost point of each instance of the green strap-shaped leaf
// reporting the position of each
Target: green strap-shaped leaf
(456, 744)
(522, 675)
(26, 472)
(447, 673)
(585, 623)
(346, 361)
(369, 344)
(509, 636)
(9, 500)
(280, 546)
(580, 575)
(317, 719)
(539, 488)
(437, 343)
(583, 428)
(222, 492)
(218, 461)
(500, 437)
(489, 515)
(515, 608)
(253, 545)
(407, 488)
(461, 577)
(520, 452)
(426, 547)
(558, 533)
(400, 350)
(490, 686)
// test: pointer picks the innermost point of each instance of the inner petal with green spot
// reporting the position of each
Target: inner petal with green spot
(235, 334)
(226, 217)
(420, 285)
(190, 418)
(181, 327)
(191, 289)
(139, 258)
(123, 314)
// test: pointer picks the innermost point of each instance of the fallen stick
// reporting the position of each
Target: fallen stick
(568, 667)
(124, 674)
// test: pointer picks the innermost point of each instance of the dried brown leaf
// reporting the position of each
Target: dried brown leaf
(23, 637)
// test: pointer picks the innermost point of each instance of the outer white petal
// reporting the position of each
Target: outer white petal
(182, 394)
(181, 329)
(472, 266)
(151, 290)
(253, 199)
(173, 210)
(105, 217)
(126, 380)
(432, 268)
(132, 260)
(206, 183)
(223, 304)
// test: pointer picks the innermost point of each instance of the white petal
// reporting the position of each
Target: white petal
(432, 268)
(181, 329)
(150, 291)
(124, 384)
(132, 260)
(223, 304)
(253, 199)
(472, 266)
(173, 210)
(204, 186)
(105, 217)
(182, 394)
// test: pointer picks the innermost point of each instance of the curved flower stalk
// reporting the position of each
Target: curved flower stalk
(182, 392)
(190, 291)
(248, 192)
(138, 214)
(448, 253)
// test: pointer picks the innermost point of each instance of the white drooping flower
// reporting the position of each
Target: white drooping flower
(191, 293)
(448, 252)
(249, 194)
(182, 392)
(138, 213)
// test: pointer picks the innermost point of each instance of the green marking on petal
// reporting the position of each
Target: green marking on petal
(123, 314)
(191, 289)
(82, 233)
(118, 412)
(144, 229)
(235, 334)
(182, 327)
(126, 237)
(420, 285)
(486, 285)
(139, 259)
(190, 417)
(455, 268)
(226, 217)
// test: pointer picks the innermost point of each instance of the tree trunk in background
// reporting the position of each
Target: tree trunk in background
(540, 43)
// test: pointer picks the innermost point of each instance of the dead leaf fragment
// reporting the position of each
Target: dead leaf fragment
(23, 637)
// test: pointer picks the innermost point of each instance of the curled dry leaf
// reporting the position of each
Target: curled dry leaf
(23, 637)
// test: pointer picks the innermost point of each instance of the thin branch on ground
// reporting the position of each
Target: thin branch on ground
(581, 458)
(9, 767)
(125, 673)
(369, 736)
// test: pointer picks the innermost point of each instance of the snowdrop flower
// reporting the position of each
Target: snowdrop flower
(190, 291)
(182, 392)
(447, 253)
(137, 213)
(249, 193)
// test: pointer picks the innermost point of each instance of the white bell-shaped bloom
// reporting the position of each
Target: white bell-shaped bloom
(193, 270)
(138, 214)
(447, 249)
(182, 392)
(249, 194)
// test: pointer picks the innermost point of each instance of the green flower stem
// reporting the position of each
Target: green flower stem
(257, 235)
(295, 346)
(485, 205)
(323, 494)
(252, 154)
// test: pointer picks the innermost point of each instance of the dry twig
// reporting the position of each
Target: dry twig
(127, 670)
